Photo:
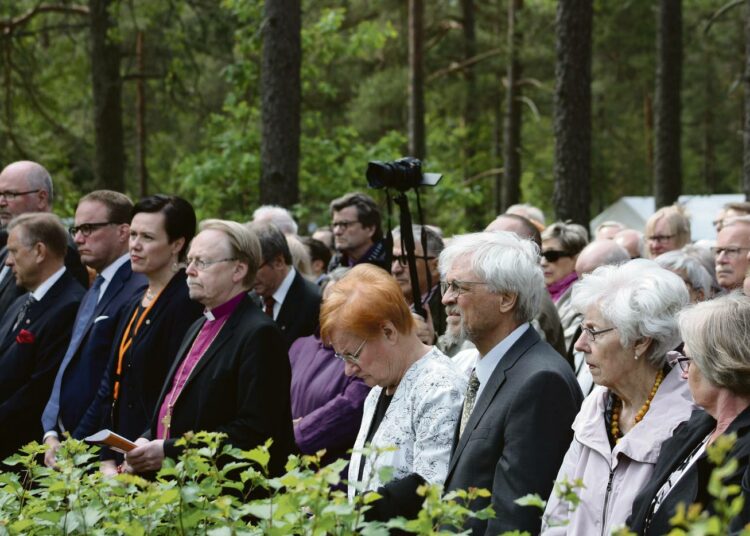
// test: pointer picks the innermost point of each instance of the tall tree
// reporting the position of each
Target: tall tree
(667, 155)
(106, 80)
(512, 138)
(471, 100)
(573, 111)
(417, 145)
(746, 133)
(280, 102)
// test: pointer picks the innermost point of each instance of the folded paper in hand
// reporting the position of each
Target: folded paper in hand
(114, 441)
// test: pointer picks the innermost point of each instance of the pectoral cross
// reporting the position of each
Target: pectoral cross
(166, 421)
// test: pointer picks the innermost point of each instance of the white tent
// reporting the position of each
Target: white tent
(633, 211)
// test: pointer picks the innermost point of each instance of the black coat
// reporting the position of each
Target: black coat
(28, 364)
(239, 387)
(299, 314)
(692, 487)
(144, 368)
(517, 435)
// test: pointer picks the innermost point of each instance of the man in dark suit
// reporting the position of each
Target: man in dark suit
(284, 295)
(232, 372)
(26, 187)
(101, 232)
(522, 396)
(35, 330)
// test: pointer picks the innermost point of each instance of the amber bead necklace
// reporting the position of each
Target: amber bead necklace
(615, 426)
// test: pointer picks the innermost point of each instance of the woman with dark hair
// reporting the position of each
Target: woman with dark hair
(150, 333)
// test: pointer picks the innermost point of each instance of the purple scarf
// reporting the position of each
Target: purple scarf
(558, 288)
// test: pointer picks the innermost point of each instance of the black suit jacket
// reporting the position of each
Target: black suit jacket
(27, 369)
(84, 370)
(146, 365)
(239, 387)
(9, 291)
(517, 435)
(692, 487)
(299, 314)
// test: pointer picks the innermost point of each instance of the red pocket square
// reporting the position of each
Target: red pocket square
(24, 337)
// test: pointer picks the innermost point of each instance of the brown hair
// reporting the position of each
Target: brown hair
(361, 301)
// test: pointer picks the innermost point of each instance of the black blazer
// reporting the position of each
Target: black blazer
(146, 365)
(299, 314)
(239, 387)
(517, 435)
(83, 372)
(692, 487)
(27, 369)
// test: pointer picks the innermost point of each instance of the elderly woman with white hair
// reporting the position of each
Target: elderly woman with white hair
(696, 278)
(629, 324)
(716, 362)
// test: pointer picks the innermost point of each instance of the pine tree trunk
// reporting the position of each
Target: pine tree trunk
(109, 164)
(572, 120)
(746, 133)
(667, 159)
(417, 146)
(512, 138)
(280, 103)
(470, 93)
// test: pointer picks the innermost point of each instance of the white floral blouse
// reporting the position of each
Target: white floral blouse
(419, 423)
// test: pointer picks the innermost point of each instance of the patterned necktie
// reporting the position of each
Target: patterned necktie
(469, 400)
(22, 312)
(268, 302)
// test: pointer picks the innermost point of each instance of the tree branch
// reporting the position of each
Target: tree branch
(458, 66)
(8, 26)
(720, 12)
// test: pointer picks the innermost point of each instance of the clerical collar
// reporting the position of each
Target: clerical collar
(225, 309)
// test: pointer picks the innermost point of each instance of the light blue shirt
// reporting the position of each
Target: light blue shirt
(486, 364)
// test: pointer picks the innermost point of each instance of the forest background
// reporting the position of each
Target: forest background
(169, 96)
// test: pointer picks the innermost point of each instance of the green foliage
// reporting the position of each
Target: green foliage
(210, 490)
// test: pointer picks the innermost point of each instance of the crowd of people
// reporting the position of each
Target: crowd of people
(528, 355)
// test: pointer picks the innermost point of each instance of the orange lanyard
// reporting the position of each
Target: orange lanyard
(127, 341)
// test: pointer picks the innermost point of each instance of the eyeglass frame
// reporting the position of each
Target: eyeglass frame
(675, 357)
(457, 286)
(86, 229)
(352, 359)
(11, 196)
(660, 238)
(556, 253)
(731, 251)
(403, 259)
(592, 333)
(202, 265)
(344, 224)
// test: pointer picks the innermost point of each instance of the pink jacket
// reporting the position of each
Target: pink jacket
(613, 477)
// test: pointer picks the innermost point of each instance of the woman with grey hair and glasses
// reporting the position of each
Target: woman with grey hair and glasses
(696, 278)
(628, 327)
(716, 363)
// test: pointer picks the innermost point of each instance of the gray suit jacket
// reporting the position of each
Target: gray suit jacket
(517, 434)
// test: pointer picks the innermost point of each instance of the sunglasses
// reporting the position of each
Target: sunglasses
(553, 255)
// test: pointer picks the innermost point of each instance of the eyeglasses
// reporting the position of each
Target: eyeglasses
(10, 196)
(457, 286)
(553, 255)
(403, 260)
(592, 333)
(731, 251)
(678, 358)
(87, 228)
(344, 224)
(201, 265)
(660, 238)
(352, 359)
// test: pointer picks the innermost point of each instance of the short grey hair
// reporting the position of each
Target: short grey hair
(572, 237)
(640, 299)
(717, 334)
(697, 276)
(243, 244)
(610, 224)
(527, 211)
(433, 241)
(505, 262)
(39, 177)
(277, 215)
(272, 242)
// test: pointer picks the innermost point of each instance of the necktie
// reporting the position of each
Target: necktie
(469, 400)
(268, 302)
(51, 414)
(22, 312)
